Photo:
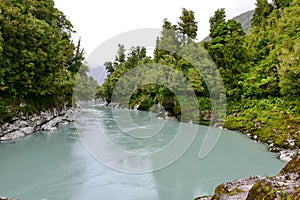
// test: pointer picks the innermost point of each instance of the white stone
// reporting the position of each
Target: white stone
(12, 135)
(271, 145)
(53, 129)
(27, 130)
(287, 155)
(21, 123)
(46, 127)
(291, 142)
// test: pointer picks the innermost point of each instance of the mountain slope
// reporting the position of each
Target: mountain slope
(244, 19)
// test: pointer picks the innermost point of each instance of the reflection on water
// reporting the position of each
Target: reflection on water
(57, 165)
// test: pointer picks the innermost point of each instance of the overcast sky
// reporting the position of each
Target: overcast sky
(96, 21)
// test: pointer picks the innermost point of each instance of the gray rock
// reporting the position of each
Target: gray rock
(284, 185)
(204, 198)
(270, 141)
(291, 142)
(233, 190)
(27, 130)
(46, 121)
(47, 126)
(53, 129)
(172, 118)
(287, 155)
(12, 127)
(12, 135)
(21, 123)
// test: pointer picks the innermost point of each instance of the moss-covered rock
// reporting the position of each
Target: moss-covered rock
(285, 185)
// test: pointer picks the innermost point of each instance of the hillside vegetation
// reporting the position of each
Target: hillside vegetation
(260, 72)
(38, 59)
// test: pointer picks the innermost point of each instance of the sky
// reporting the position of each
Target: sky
(96, 21)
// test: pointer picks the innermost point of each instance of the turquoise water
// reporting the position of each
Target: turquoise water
(57, 165)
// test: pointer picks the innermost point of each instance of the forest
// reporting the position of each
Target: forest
(259, 73)
(39, 62)
(247, 82)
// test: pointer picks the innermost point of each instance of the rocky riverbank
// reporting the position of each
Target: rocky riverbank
(206, 116)
(6, 198)
(285, 185)
(47, 120)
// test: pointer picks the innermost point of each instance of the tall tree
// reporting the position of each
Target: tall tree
(218, 18)
(227, 50)
(262, 11)
(167, 43)
(282, 3)
(38, 59)
(187, 26)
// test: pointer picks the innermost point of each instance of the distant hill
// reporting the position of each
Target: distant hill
(244, 19)
(98, 73)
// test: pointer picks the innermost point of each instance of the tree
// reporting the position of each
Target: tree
(218, 18)
(227, 50)
(282, 3)
(38, 59)
(167, 43)
(262, 11)
(187, 26)
(289, 70)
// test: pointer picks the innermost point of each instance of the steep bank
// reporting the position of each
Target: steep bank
(47, 120)
(285, 185)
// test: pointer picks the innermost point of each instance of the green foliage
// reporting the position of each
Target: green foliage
(273, 47)
(260, 71)
(217, 19)
(187, 26)
(118, 68)
(261, 12)
(227, 50)
(282, 3)
(84, 86)
(274, 119)
(38, 60)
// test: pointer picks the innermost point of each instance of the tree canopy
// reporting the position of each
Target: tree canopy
(260, 70)
(38, 59)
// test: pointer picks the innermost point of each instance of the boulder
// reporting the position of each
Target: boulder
(12, 135)
(285, 185)
(27, 130)
(287, 155)
(21, 123)
(233, 190)
(46, 121)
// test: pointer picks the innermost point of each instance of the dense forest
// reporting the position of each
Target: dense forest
(260, 72)
(39, 62)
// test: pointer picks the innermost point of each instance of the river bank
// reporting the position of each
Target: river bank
(285, 185)
(285, 154)
(58, 165)
(47, 120)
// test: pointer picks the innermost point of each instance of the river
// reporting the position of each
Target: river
(61, 165)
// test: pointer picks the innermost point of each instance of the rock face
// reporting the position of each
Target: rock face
(233, 190)
(285, 185)
(45, 121)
